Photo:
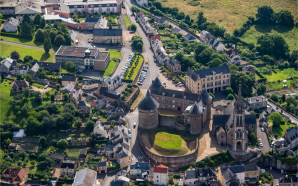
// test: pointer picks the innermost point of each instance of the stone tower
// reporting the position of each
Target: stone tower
(238, 129)
(148, 113)
(208, 101)
(195, 119)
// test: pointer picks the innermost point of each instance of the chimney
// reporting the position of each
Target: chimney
(286, 134)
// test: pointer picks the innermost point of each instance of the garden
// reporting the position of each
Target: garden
(115, 56)
(132, 70)
(127, 92)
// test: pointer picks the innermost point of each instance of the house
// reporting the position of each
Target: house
(189, 38)
(102, 167)
(161, 56)
(105, 91)
(108, 35)
(82, 154)
(16, 175)
(145, 25)
(122, 157)
(231, 174)
(119, 183)
(291, 136)
(234, 56)
(109, 149)
(140, 169)
(51, 67)
(5, 67)
(116, 112)
(88, 84)
(85, 177)
(175, 30)
(190, 178)
(68, 79)
(249, 68)
(213, 79)
(68, 168)
(160, 175)
(100, 151)
(99, 130)
(118, 134)
(112, 83)
(142, 3)
(99, 103)
(19, 135)
(212, 41)
(252, 173)
(11, 25)
(24, 69)
(15, 69)
(57, 157)
(89, 23)
(84, 107)
(36, 183)
(174, 66)
(256, 102)
(288, 181)
(19, 85)
(206, 175)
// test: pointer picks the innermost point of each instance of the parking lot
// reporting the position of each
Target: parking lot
(143, 74)
(169, 83)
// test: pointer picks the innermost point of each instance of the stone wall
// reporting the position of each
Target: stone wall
(148, 120)
(173, 162)
(171, 122)
(126, 104)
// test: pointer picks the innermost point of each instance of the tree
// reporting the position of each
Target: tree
(59, 40)
(42, 23)
(171, 181)
(252, 139)
(205, 55)
(37, 19)
(211, 163)
(231, 97)
(47, 124)
(28, 78)
(66, 97)
(15, 55)
(62, 144)
(26, 30)
(201, 164)
(77, 123)
(285, 17)
(265, 15)
(75, 18)
(58, 86)
(53, 34)
(228, 90)
(27, 19)
(90, 125)
(133, 27)
(201, 19)
(261, 89)
(291, 160)
(19, 76)
(43, 141)
(70, 66)
(47, 44)
(228, 35)
(276, 118)
(32, 126)
(247, 81)
(137, 42)
(39, 36)
(26, 92)
(214, 63)
(23, 123)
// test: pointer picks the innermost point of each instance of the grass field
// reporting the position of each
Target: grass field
(38, 85)
(4, 98)
(127, 22)
(110, 68)
(288, 33)
(282, 130)
(40, 55)
(114, 56)
(280, 75)
(167, 140)
(231, 13)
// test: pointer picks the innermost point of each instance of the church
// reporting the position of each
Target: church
(232, 127)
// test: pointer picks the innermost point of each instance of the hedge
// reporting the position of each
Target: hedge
(127, 80)
(262, 80)
(259, 74)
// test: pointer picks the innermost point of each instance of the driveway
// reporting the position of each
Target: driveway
(262, 135)
(41, 90)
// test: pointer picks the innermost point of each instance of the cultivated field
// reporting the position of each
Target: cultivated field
(231, 13)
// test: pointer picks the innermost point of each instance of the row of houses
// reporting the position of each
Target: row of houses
(144, 22)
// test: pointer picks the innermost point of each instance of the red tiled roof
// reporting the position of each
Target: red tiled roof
(161, 169)
(155, 37)
(13, 172)
(92, 102)
(20, 177)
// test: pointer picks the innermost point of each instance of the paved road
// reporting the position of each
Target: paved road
(292, 118)
(266, 144)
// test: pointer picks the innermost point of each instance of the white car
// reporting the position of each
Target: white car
(261, 144)
(45, 87)
(129, 131)
(262, 129)
(134, 125)
(260, 140)
(129, 136)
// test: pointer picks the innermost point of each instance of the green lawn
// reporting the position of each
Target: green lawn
(40, 55)
(38, 85)
(110, 68)
(114, 56)
(167, 140)
(290, 34)
(74, 152)
(82, 19)
(280, 75)
(4, 98)
(136, 69)
(279, 132)
(127, 22)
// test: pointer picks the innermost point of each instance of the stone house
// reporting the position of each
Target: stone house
(189, 38)
(99, 103)
(213, 79)
(99, 130)
(234, 56)
(24, 69)
(19, 85)
(212, 41)
(115, 112)
(206, 175)
(5, 67)
(140, 169)
(174, 66)
(122, 157)
(88, 84)
(291, 136)
(57, 157)
(82, 155)
(111, 83)
(19, 135)
(249, 68)
(16, 175)
(65, 80)
(254, 103)
(85, 177)
(89, 23)
(228, 177)
(108, 35)
(252, 173)
(51, 67)
(84, 107)
(190, 178)
(11, 25)
(102, 167)
(288, 181)
(145, 25)
(15, 69)
(68, 168)
(236, 172)
(160, 175)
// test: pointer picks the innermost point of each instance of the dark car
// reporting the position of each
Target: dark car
(79, 72)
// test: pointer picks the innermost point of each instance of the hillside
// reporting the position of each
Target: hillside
(231, 13)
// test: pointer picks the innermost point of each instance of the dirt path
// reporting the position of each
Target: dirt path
(41, 90)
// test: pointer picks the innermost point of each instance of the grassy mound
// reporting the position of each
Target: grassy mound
(167, 140)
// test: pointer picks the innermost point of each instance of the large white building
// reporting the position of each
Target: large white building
(160, 175)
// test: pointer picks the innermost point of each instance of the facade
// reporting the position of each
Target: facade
(212, 41)
(112, 83)
(85, 177)
(51, 67)
(5, 67)
(144, 22)
(11, 25)
(291, 136)
(213, 79)
(65, 80)
(68, 168)
(84, 107)
(108, 35)
(122, 157)
(288, 181)
(24, 69)
(19, 85)
(206, 176)
(83, 57)
(254, 103)
(160, 175)
(102, 167)
(94, 22)
(174, 66)
(140, 169)
(88, 84)
(252, 173)
(93, 6)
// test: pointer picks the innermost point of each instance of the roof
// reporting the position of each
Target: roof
(90, 81)
(256, 99)
(250, 119)
(123, 153)
(161, 169)
(55, 66)
(6, 64)
(75, 51)
(173, 61)
(205, 172)
(292, 134)
(57, 155)
(230, 177)
(68, 78)
(109, 147)
(155, 37)
(21, 175)
(24, 67)
(85, 177)
(36, 182)
(140, 165)
(69, 87)
(189, 37)
(68, 163)
(83, 104)
(206, 96)
(190, 174)
(235, 169)
(222, 69)
(148, 103)
(19, 134)
(251, 167)
(83, 152)
(102, 164)
(91, 19)
(118, 183)
(11, 21)
(175, 30)
(220, 119)
(107, 32)
(288, 180)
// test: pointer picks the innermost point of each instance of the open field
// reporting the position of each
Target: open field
(40, 55)
(231, 13)
(167, 140)
(4, 98)
(288, 33)
(280, 75)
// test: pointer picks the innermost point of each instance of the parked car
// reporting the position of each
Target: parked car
(261, 144)
(45, 87)
(134, 125)
(260, 140)
(263, 130)
(129, 131)
(129, 136)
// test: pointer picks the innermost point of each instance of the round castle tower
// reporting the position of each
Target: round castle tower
(148, 113)
(208, 101)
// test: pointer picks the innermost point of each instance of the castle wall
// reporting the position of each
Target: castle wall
(171, 122)
(148, 119)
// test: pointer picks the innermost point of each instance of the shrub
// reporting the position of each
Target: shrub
(231, 97)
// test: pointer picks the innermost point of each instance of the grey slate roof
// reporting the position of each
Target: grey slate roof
(292, 134)
(91, 19)
(175, 30)
(140, 165)
(102, 164)
(83, 104)
(148, 103)
(68, 163)
(107, 32)
(68, 78)
(24, 67)
(7, 64)
(90, 81)
(205, 96)
(250, 167)
(220, 119)
(189, 37)
(52, 66)
(109, 147)
(12, 21)
(123, 153)
(58, 155)
(250, 119)
(224, 69)
(235, 169)
(205, 172)
(190, 174)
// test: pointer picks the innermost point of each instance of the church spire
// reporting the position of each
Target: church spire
(239, 104)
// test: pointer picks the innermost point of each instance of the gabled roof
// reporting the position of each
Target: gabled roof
(68, 78)
(224, 69)
(235, 169)
(83, 104)
(58, 155)
(12, 21)
(204, 172)
(21, 175)
(91, 19)
(161, 169)
(123, 153)
(53, 66)
(83, 152)
(148, 103)
(291, 134)
(24, 67)
(102, 164)
(90, 81)
(190, 174)
(250, 119)
(19, 84)
(189, 37)
(140, 165)
(175, 30)
(251, 167)
(85, 177)
(68, 163)
(107, 32)
(220, 119)
(6, 64)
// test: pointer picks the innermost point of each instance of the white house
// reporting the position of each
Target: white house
(160, 175)
(24, 69)
(11, 25)
(19, 135)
